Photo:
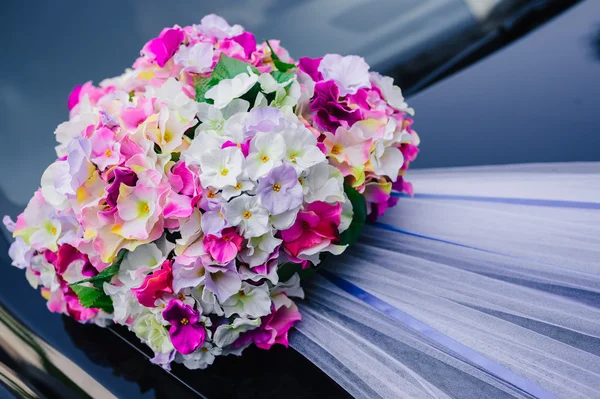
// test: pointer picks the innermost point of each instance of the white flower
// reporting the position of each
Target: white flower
(213, 119)
(388, 163)
(301, 148)
(229, 89)
(124, 302)
(268, 84)
(202, 358)
(197, 58)
(243, 184)
(323, 183)
(347, 215)
(56, 184)
(284, 220)
(287, 98)
(139, 263)
(67, 131)
(47, 273)
(172, 93)
(266, 152)
(251, 301)
(227, 334)
(207, 301)
(391, 93)
(201, 144)
(220, 168)
(20, 253)
(259, 249)
(190, 229)
(215, 26)
(247, 212)
(150, 328)
(351, 73)
(290, 288)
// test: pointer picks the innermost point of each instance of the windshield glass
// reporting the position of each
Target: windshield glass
(55, 46)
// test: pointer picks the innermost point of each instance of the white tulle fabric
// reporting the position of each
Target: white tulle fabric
(519, 284)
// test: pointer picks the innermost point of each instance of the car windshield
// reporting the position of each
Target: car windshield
(56, 46)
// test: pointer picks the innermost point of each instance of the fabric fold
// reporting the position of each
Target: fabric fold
(518, 284)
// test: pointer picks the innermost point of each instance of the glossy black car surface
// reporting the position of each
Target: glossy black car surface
(486, 91)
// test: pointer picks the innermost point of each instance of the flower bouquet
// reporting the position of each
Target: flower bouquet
(189, 191)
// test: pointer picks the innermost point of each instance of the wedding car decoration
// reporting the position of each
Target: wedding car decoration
(188, 191)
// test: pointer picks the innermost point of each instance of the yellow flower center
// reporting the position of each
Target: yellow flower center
(203, 349)
(211, 194)
(225, 171)
(144, 208)
(264, 158)
(276, 187)
(300, 180)
(185, 321)
(53, 230)
(293, 157)
(247, 215)
(108, 153)
(181, 297)
(238, 186)
(336, 150)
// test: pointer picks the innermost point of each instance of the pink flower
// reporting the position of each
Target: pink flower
(139, 210)
(133, 117)
(223, 249)
(93, 93)
(105, 148)
(161, 49)
(155, 285)
(184, 181)
(274, 327)
(317, 225)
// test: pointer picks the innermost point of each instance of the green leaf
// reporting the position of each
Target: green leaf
(282, 77)
(226, 68)
(359, 207)
(280, 65)
(229, 68)
(202, 86)
(105, 275)
(93, 298)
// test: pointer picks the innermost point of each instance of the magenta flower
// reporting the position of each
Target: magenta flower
(155, 285)
(186, 333)
(161, 49)
(223, 249)
(247, 41)
(274, 327)
(329, 111)
(315, 226)
(310, 66)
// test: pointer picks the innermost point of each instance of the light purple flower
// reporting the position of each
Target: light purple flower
(185, 276)
(213, 221)
(223, 281)
(280, 190)
(186, 333)
(263, 119)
